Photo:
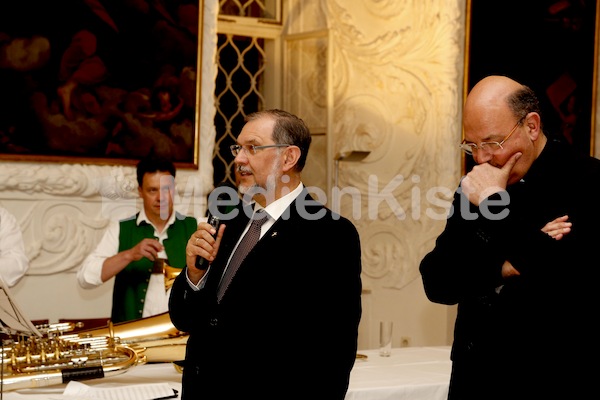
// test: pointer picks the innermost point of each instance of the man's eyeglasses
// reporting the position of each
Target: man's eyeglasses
(488, 147)
(251, 149)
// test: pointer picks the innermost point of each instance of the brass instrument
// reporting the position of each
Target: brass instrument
(161, 266)
(159, 339)
(170, 274)
(59, 356)
(53, 359)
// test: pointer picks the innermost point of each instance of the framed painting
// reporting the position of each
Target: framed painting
(100, 81)
(549, 45)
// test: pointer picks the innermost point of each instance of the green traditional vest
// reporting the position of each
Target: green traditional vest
(131, 283)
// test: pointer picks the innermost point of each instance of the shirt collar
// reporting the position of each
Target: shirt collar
(278, 207)
(142, 217)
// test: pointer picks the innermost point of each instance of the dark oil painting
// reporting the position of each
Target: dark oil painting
(98, 81)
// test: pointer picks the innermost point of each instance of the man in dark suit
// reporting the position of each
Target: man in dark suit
(286, 325)
(519, 255)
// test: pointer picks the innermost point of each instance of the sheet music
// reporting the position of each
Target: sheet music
(151, 391)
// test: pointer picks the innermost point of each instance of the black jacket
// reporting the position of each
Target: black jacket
(520, 337)
(287, 326)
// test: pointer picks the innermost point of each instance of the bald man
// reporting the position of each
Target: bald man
(518, 254)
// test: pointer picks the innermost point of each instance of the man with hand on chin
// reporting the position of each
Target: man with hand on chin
(518, 254)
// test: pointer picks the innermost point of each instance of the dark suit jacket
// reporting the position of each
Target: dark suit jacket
(530, 336)
(287, 326)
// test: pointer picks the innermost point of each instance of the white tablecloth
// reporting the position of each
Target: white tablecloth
(415, 373)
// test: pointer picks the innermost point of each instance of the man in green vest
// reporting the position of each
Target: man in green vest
(136, 250)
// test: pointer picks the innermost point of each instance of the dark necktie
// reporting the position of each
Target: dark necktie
(248, 241)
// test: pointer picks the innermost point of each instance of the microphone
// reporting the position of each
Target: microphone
(201, 262)
(215, 198)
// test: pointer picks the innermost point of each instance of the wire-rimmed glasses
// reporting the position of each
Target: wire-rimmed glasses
(251, 149)
(489, 147)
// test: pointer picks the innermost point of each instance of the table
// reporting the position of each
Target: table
(415, 373)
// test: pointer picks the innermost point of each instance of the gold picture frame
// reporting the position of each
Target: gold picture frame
(552, 46)
(98, 82)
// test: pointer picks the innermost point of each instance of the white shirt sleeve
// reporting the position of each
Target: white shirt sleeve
(89, 274)
(13, 261)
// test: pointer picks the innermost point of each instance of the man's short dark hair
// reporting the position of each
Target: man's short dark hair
(153, 164)
(288, 129)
